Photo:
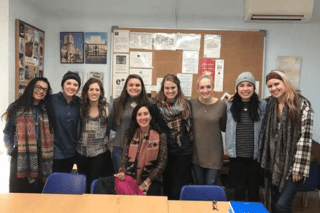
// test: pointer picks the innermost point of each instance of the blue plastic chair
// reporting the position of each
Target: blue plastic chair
(311, 182)
(93, 186)
(203, 192)
(65, 183)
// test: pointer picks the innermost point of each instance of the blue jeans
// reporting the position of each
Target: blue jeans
(205, 176)
(282, 202)
(116, 158)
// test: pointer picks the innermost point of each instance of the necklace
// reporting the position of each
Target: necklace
(245, 109)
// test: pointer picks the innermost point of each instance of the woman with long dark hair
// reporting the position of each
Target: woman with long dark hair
(93, 155)
(133, 93)
(244, 118)
(175, 110)
(285, 141)
(144, 151)
(29, 138)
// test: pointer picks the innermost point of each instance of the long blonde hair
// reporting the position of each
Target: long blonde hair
(290, 96)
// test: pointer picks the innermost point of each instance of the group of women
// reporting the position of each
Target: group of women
(159, 141)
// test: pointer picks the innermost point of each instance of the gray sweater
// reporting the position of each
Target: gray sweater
(208, 121)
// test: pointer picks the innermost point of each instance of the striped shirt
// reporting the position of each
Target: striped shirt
(245, 136)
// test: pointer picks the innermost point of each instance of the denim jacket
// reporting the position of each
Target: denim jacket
(231, 134)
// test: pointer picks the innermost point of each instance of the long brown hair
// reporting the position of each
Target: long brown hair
(123, 98)
(180, 98)
(85, 102)
(290, 96)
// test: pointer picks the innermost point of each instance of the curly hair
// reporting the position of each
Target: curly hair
(134, 126)
(85, 105)
(124, 96)
(25, 101)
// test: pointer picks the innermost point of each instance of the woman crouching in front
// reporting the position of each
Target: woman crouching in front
(144, 152)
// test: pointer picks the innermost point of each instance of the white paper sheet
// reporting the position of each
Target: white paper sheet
(121, 41)
(118, 84)
(121, 64)
(164, 41)
(219, 74)
(141, 59)
(212, 46)
(145, 74)
(257, 87)
(141, 40)
(159, 81)
(186, 83)
(291, 66)
(188, 41)
(190, 62)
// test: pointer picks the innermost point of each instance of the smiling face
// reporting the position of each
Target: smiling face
(94, 92)
(276, 88)
(134, 87)
(40, 91)
(245, 91)
(143, 118)
(170, 89)
(205, 88)
(70, 88)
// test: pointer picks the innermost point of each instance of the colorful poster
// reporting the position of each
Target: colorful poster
(207, 67)
(95, 47)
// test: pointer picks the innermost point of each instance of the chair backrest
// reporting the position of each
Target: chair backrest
(313, 180)
(93, 186)
(65, 183)
(203, 192)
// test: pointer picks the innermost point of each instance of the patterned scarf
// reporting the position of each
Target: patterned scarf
(278, 139)
(173, 114)
(143, 153)
(27, 159)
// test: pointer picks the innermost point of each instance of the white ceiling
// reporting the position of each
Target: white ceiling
(175, 9)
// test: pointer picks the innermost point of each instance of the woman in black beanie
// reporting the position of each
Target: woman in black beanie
(65, 110)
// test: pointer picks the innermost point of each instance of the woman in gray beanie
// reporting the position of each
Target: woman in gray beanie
(244, 118)
(65, 109)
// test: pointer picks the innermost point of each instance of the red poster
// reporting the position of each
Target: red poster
(207, 67)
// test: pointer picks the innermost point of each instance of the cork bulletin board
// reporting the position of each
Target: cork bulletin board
(29, 55)
(240, 50)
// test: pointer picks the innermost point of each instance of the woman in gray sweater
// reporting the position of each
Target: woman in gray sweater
(208, 120)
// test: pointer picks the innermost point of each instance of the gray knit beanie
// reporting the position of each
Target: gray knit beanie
(71, 75)
(245, 76)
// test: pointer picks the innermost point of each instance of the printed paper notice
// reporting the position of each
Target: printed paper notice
(121, 41)
(159, 81)
(188, 41)
(212, 46)
(185, 82)
(291, 66)
(219, 74)
(141, 59)
(121, 64)
(141, 40)
(190, 61)
(145, 74)
(164, 41)
(118, 84)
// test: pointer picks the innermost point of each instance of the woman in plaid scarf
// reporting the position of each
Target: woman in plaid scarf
(175, 110)
(29, 138)
(285, 141)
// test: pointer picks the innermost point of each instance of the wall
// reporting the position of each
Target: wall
(282, 39)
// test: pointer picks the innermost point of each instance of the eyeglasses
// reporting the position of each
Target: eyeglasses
(39, 88)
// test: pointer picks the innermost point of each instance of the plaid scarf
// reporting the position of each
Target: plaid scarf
(27, 159)
(143, 152)
(278, 140)
(173, 114)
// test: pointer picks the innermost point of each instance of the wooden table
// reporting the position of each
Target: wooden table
(58, 203)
